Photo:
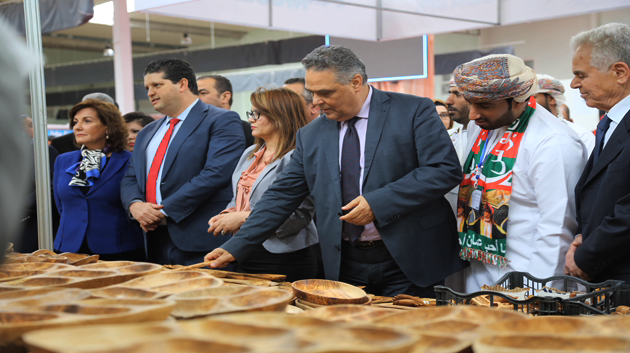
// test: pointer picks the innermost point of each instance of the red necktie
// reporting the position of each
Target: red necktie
(157, 161)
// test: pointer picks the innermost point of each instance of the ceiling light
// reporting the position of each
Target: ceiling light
(108, 51)
(186, 40)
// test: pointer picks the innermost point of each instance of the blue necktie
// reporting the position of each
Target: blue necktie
(602, 127)
(350, 174)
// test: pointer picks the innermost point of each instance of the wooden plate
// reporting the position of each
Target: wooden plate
(80, 259)
(549, 344)
(93, 338)
(221, 300)
(325, 292)
(120, 292)
(440, 344)
(542, 325)
(164, 279)
(180, 344)
(357, 313)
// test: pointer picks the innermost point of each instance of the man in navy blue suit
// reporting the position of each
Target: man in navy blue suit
(377, 165)
(179, 175)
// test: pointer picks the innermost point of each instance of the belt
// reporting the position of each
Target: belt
(367, 244)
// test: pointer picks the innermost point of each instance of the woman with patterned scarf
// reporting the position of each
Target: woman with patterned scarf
(86, 185)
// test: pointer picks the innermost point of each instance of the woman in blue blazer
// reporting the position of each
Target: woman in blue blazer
(276, 116)
(86, 186)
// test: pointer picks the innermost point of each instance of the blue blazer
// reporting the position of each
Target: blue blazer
(410, 164)
(99, 215)
(196, 174)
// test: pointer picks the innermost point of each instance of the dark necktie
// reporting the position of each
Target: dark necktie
(350, 174)
(600, 135)
(157, 162)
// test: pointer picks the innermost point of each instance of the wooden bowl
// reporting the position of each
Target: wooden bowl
(193, 283)
(487, 315)
(271, 319)
(549, 344)
(33, 266)
(418, 316)
(93, 338)
(617, 326)
(30, 298)
(453, 327)
(80, 259)
(325, 292)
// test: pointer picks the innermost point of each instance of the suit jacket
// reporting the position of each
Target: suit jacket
(297, 232)
(64, 143)
(410, 164)
(603, 210)
(97, 215)
(196, 173)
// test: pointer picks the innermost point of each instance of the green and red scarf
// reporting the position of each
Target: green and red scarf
(483, 231)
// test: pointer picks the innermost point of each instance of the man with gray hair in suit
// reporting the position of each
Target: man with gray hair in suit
(378, 165)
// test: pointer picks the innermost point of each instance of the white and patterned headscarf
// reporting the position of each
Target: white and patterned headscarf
(89, 169)
(496, 77)
(552, 86)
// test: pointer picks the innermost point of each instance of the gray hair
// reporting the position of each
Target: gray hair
(99, 96)
(610, 43)
(338, 58)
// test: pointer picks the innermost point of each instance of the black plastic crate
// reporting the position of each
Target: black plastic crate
(600, 298)
(533, 306)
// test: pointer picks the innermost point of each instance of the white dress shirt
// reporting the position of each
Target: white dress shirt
(369, 233)
(616, 113)
(542, 217)
(155, 143)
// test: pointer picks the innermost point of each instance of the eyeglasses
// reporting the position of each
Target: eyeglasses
(253, 114)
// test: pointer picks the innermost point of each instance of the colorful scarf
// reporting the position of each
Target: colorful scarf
(88, 169)
(483, 231)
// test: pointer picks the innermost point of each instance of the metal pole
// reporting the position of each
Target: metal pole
(40, 125)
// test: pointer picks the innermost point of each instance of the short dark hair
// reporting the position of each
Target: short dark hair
(221, 84)
(174, 70)
(339, 59)
(109, 116)
(140, 117)
(295, 80)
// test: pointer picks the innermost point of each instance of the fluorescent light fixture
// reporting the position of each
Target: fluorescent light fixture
(104, 13)
(327, 42)
(425, 69)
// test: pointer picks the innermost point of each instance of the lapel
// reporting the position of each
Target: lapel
(141, 151)
(330, 145)
(376, 120)
(194, 118)
(264, 173)
(116, 162)
(615, 145)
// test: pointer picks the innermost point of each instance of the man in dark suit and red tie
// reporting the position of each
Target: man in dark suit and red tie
(181, 167)
(377, 165)
(602, 74)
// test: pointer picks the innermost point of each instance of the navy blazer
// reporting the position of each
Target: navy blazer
(603, 210)
(196, 176)
(97, 215)
(410, 164)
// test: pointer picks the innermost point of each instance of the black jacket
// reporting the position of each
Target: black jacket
(603, 210)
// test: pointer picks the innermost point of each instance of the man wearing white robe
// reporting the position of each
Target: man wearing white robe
(550, 159)
(550, 96)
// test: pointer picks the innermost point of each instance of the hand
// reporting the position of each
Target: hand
(227, 222)
(361, 213)
(570, 267)
(147, 214)
(221, 258)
